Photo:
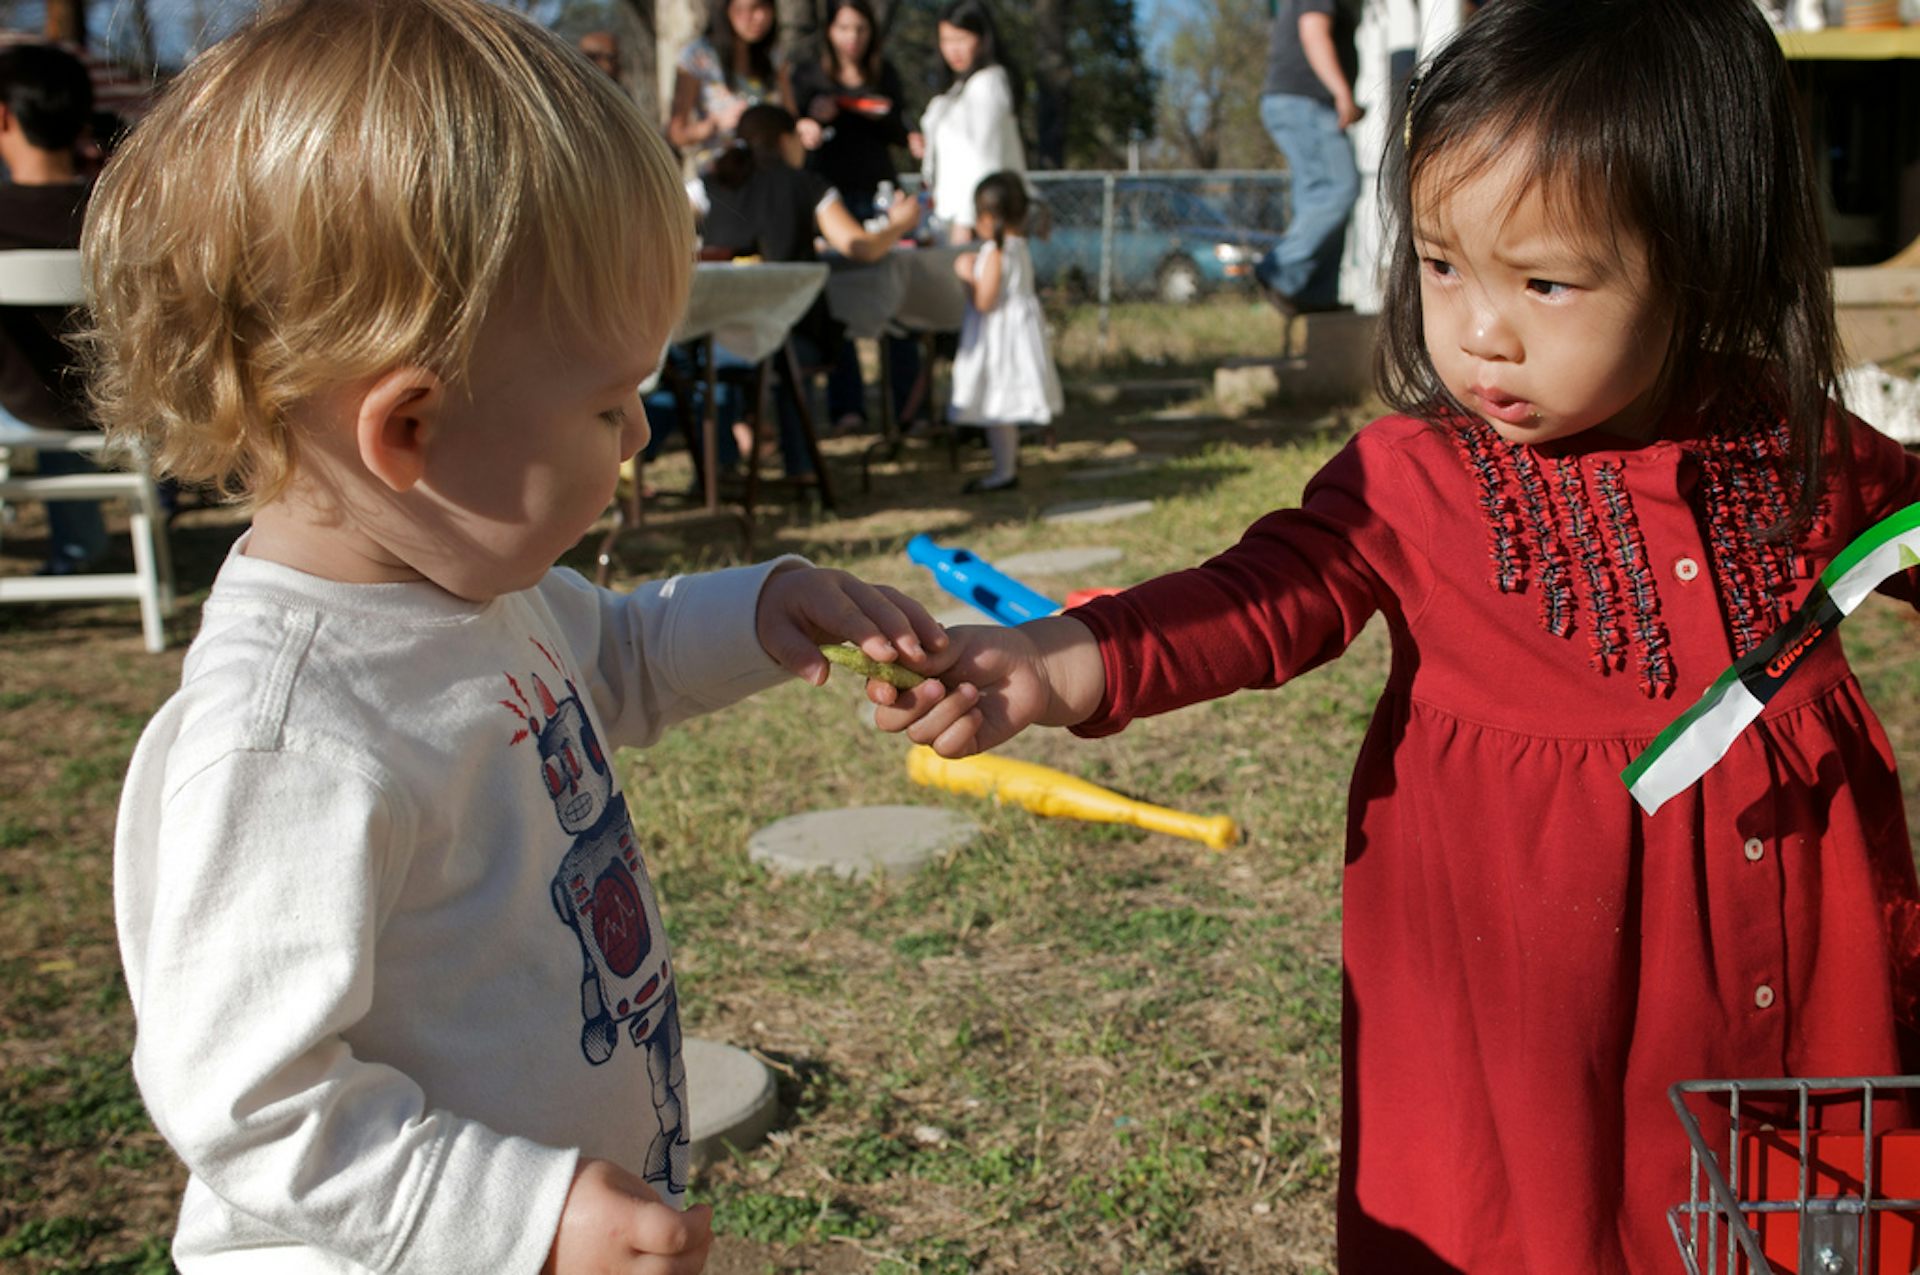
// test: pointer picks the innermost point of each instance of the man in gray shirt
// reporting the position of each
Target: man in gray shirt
(1307, 106)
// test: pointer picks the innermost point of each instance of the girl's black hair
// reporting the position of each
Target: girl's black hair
(756, 144)
(1004, 195)
(726, 45)
(870, 62)
(1676, 120)
(975, 16)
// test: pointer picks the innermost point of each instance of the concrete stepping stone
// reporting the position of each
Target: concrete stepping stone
(731, 1100)
(1108, 393)
(894, 841)
(1138, 464)
(1095, 511)
(1059, 562)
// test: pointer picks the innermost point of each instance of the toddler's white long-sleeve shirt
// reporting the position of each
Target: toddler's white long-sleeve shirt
(392, 949)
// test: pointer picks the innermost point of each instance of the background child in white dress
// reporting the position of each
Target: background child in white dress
(1003, 376)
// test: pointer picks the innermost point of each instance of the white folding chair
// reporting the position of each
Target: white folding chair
(48, 277)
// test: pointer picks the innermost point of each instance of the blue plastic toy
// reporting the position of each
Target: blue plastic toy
(974, 580)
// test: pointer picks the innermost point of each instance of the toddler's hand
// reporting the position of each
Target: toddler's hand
(801, 607)
(991, 684)
(614, 1222)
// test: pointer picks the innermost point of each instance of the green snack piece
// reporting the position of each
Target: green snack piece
(854, 660)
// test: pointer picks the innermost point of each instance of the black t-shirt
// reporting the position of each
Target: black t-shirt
(1288, 71)
(39, 382)
(771, 214)
(855, 158)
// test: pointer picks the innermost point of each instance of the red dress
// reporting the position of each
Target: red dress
(1529, 960)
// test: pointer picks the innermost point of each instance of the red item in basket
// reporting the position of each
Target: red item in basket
(1770, 1164)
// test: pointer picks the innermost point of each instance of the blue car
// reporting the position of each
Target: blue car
(1168, 243)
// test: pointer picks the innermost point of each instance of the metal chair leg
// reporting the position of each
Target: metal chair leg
(797, 388)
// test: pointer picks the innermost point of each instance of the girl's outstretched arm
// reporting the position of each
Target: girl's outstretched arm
(991, 683)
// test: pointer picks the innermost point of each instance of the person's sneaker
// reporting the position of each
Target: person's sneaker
(68, 564)
(1279, 300)
(1271, 294)
(981, 486)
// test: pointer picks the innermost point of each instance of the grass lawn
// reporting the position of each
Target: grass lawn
(1071, 1048)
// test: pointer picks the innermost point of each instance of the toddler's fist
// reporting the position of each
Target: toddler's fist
(615, 1224)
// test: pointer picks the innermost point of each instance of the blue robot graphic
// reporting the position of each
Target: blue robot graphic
(601, 893)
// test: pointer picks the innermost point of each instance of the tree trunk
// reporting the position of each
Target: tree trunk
(675, 25)
(1053, 83)
(67, 22)
(639, 66)
(143, 34)
(801, 26)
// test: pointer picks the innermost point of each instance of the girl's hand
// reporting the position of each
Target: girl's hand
(963, 266)
(991, 683)
(727, 116)
(811, 134)
(801, 607)
(614, 1221)
(917, 144)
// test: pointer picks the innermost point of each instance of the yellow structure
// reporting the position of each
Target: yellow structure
(1046, 791)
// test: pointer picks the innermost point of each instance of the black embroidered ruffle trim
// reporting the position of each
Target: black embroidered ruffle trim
(1569, 530)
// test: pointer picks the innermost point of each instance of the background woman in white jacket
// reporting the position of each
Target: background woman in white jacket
(973, 127)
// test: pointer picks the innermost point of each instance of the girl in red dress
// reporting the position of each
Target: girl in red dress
(1616, 466)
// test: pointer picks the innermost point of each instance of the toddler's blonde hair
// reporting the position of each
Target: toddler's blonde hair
(343, 188)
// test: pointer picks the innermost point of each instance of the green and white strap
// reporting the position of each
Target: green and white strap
(1701, 736)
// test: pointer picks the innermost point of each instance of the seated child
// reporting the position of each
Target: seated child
(392, 271)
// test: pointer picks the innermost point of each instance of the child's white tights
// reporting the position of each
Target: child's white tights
(1004, 440)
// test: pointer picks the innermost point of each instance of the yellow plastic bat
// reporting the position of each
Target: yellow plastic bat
(1047, 791)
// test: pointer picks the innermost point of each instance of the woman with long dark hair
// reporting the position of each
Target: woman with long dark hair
(972, 128)
(722, 74)
(849, 104)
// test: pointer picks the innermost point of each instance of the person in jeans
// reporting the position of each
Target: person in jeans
(46, 103)
(1306, 104)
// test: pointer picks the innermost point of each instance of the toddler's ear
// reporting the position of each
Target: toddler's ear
(390, 429)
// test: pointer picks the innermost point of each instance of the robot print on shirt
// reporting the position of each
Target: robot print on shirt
(602, 894)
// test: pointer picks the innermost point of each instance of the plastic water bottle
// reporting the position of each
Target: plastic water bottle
(882, 201)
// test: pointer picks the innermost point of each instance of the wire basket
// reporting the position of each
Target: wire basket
(1810, 1177)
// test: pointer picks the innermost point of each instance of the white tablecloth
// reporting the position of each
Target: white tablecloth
(908, 288)
(749, 308)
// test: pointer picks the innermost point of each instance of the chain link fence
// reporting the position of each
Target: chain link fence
(1175, 236)
(1172, 237)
